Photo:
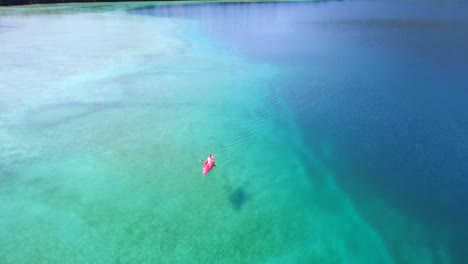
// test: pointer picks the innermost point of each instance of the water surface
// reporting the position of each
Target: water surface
(339, 129)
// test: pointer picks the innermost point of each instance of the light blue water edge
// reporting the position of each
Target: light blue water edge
(104, 116)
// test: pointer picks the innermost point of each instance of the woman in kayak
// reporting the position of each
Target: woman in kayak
(210, 160)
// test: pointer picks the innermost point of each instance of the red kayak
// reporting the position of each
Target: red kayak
(209, 164)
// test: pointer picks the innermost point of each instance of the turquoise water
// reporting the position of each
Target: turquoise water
(327, 150)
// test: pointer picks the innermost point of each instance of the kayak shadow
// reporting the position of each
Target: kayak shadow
(238, 198)
(237, 193)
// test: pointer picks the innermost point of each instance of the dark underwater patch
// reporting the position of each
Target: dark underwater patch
(56, 114)
(6, 176)
(238, 198)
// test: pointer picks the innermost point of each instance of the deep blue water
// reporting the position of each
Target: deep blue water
(385, 82)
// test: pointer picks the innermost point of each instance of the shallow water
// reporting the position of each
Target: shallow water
(339, 130)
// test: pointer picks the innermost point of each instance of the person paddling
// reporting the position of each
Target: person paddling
(209, 164)
(209, 160)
